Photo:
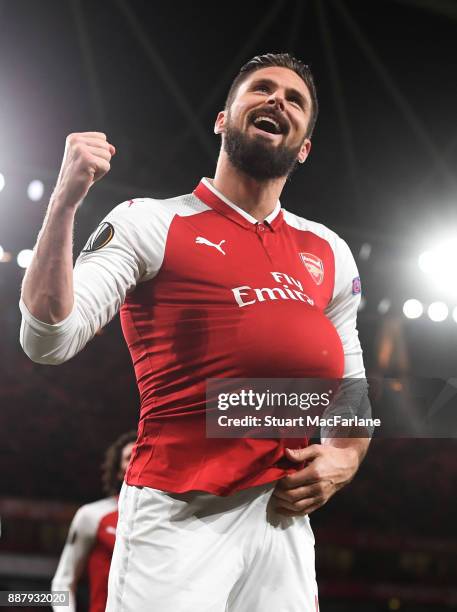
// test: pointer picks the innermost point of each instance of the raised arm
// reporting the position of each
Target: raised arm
(62, 308)
(47, 290)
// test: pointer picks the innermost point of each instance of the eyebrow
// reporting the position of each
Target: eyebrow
(289, 90)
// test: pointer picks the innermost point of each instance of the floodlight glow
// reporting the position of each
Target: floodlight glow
(24, 258)
(438, 311)
(2, 181)
(35, 190)
(365, 251)
(439, 265)
(1, 253)
(384, 306)
(412, 309)
(426, 262)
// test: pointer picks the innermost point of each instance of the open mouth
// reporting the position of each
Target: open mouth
(267, 124)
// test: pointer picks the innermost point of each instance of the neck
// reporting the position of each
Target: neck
(257, 198)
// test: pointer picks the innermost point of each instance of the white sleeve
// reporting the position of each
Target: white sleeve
(125, 249)
(80, 539)
(342, 310)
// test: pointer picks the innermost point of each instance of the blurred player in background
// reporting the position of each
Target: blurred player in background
(90, 541)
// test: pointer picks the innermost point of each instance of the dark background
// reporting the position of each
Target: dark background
(382, 172)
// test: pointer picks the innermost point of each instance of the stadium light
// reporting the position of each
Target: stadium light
(1, 252)
(2, 181)
(438, 311)
(24, 258)
(412, 309)
(384, 306)
(439, 265)
(454, 314)
(35, 190)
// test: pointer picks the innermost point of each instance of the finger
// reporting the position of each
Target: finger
(80, 150)
(292, 495)
(298, 506)
(107, 146)
(96, 142)
(100, 152)
(98, 135)
(299, 455)
(306, 476)
(102, 167)
(84, 153)
(81, 137)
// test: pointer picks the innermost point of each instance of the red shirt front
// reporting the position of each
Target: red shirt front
(232, 299)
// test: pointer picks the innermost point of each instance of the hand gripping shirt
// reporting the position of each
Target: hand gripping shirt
(206, 291)
(89, 548)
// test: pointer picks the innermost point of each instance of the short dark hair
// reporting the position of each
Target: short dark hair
(110, 466)
(282, 60)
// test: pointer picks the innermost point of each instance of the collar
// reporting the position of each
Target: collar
(210, 196)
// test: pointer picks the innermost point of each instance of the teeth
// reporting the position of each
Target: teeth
(264, 118)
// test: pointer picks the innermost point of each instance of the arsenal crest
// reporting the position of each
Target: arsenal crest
(314, 265)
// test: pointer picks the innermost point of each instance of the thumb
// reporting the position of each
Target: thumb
(302, 454)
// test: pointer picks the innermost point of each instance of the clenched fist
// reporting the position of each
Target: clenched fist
(86, 160)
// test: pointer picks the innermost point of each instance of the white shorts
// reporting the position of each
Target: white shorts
(197, 552)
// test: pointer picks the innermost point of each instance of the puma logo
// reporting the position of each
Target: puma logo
(201, 240)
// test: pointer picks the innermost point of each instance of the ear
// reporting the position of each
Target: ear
(220, 123)
(304, 151)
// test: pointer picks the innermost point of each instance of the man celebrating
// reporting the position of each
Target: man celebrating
(220, 283)
(90, 542)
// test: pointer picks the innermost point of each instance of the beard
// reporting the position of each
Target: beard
(257, 157)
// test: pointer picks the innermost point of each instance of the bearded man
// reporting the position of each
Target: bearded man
(219, 283)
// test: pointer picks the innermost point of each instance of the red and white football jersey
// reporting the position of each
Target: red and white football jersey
(206, 291)
(89, 548)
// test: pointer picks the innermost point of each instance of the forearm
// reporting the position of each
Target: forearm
(47, 289)
(357, 447)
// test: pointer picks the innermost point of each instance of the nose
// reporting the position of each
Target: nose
(276, 99)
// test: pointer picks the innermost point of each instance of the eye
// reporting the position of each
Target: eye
(262, 88)
(295, 101)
